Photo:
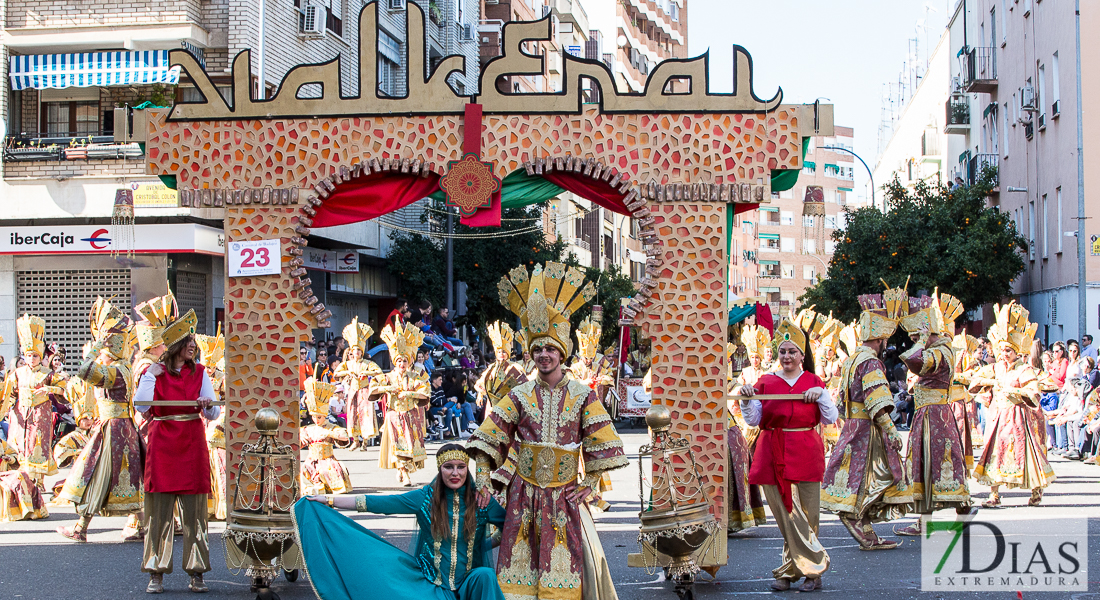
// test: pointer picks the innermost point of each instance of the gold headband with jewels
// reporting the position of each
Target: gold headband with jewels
(445, 457)
(787, 331)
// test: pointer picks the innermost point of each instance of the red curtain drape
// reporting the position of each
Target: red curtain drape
(764, 317)
(595, 190)
(486, 217)
(372, 196)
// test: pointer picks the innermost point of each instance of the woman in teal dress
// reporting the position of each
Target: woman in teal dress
(451, 557)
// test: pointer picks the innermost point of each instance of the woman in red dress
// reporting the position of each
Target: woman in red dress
(177, 462)
(789, 460)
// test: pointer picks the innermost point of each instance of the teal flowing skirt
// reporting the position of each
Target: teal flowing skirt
(346, 561)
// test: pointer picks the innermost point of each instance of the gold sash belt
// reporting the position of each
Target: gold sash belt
(320, 451)
(923, 396)
(112, 410)
(547, 466)
(186, 417)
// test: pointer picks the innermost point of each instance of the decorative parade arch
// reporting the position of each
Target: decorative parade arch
(676, 162)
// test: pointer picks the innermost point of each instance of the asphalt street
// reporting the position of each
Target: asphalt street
(38, 564)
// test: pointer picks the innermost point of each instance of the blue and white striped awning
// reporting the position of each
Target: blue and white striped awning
(92, 69)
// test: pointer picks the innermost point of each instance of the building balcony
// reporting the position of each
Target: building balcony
(570, 11)
(64, 146)
(979, 70)
(958, 116)
(976, 164)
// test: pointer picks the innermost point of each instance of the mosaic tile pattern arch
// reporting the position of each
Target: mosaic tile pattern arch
(678, 170)
(716, 148)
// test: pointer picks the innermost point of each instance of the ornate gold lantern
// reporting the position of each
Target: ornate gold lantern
(259, 536)
(677, 524)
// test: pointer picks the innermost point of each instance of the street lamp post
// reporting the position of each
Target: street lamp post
(869, 174)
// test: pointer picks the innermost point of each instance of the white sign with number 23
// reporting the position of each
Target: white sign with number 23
(255, 257)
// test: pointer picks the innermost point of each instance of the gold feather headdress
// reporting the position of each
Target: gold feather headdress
(403, 341)
(1012, 327)
(358, 334)
(502, 336)
(544, 300)
(156, 314)
(588, 339)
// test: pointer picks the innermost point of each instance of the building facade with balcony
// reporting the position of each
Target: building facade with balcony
(1016, 71)
(918, 148)
(638, 34)
(76, 79)
(794, 249)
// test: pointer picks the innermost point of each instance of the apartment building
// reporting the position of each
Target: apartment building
(630, 37)
(69, 151)
(918, 149)
(1014, 107)
(794, 247)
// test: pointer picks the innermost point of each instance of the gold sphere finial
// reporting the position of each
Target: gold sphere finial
(266, 421)
(658, 417)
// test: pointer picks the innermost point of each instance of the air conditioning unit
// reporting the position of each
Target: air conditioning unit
(1042, 121)
(1055, 109)
(313, 23)
(1027, 98)
(397, 4)
(467, 33)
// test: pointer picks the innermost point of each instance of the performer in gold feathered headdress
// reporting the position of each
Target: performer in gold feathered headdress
(1014, 454)
(499, 378)
(406, 392)
(869, 442)
(936, 453)
(358, 374)
(322, 473)
(113, 448)
(81, 398)
(27, 394)
(547, 444)
(589, 365)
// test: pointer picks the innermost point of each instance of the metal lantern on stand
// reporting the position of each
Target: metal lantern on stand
(677, 524)
(259, 536)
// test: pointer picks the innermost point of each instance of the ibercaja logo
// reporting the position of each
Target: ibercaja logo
(995, 553)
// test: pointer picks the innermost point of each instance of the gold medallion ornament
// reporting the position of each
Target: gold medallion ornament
(470, 184)
(544, 300)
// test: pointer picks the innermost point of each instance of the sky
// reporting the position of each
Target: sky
(843, 50)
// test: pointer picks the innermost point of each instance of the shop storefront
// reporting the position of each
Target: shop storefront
(57, 271)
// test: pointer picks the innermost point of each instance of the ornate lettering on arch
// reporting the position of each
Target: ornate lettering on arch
(434, 96)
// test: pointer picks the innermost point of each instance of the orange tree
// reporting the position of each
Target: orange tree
(938, 237)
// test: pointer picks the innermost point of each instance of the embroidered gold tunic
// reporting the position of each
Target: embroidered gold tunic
(540, 443)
